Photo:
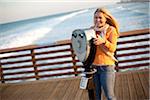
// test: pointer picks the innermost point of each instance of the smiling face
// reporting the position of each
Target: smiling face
(99, 19)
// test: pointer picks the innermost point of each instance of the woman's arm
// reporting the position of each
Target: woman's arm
(111, 42)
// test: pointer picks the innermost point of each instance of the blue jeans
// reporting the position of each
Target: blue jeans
(104, 79)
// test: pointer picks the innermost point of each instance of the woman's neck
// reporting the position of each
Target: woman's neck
(101, 28)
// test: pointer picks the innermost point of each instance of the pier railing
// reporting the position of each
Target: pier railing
(58, 59)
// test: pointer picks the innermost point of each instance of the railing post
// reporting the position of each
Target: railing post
(34, 64)
(116, 66)
(73, 60)
(116, 63)
(1, 73)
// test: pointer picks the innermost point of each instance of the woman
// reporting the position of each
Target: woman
(107, 32)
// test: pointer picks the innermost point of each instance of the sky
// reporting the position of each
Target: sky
(15, 10)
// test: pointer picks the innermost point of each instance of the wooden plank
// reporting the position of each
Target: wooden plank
(18, 67)
(21, 72)
(25, 48)
(35, 91)
(138, 86)
(131, 85)
(25, 90)
(52, 45)
(79, 95)
(117, 86)
(146, 75)
(121, 88)
(134, 60)
(59, 92)
(84, 95)
(59, 74)
(145, 84)
(55, 57)
(133, 53)
(134, 66)
(18, 49)
(38, 91)
(71, 91)
(54, 51)
(16, 56)
(75, 88)
(63, 41)
(54, 63)
(9, 92)
(48, 90)
(133, 41)
(55, 69)
(135, 47)
(15, 62)
(125, 95)
(134, 32)
(20, 78)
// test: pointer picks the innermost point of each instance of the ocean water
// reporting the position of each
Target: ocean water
(48, 29)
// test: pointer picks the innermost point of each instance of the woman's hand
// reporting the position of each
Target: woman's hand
(99, 40)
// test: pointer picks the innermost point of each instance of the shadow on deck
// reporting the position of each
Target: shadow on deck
(131, 85)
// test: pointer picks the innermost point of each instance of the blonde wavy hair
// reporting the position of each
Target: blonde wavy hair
(110, 19)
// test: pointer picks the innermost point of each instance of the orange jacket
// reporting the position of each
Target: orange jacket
(111, 37)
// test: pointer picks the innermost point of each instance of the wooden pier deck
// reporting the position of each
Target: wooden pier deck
(131, 85)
